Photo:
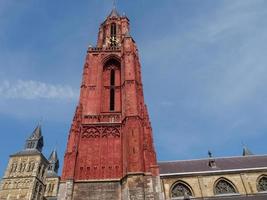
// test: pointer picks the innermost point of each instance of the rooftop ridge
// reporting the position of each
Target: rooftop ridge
(229, 157)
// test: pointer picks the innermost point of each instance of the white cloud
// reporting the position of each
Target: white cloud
(30, 90)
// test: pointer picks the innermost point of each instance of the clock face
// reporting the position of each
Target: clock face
(113, 41)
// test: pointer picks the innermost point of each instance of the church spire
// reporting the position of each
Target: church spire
(35, 141)
(37, 133)
(114, 13)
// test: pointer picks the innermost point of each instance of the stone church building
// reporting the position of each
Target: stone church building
(110, 153)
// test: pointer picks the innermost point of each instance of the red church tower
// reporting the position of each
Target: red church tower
(110, 152)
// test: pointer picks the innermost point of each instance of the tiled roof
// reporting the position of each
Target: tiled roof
(202, 165)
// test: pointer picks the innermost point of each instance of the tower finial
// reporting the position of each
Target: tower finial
(114, 4)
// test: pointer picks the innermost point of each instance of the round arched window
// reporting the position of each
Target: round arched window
(262, 184)
(180, 190)
(224, 187)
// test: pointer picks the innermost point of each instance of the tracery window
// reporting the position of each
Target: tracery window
(111, 86)
(180, 190)
(224, 187)
(262, 184)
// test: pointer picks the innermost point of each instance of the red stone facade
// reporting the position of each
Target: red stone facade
(111, 135)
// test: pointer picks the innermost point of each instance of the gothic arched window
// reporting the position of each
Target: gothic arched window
(111, 86)
(223, 187)
(180, 190)
(262, 184)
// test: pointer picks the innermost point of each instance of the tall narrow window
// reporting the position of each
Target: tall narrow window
(112, 90)
(112, 77)
(113, 30)
(112, 99)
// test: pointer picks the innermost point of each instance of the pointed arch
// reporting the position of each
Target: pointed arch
(262, 183)
(180, 190)
(224, 186)
(111, 57)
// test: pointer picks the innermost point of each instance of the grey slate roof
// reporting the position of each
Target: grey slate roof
(27, 152)
(202, 165)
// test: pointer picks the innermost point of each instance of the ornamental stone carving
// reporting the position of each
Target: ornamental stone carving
(100, 132)
(91, 133)
(111, 131)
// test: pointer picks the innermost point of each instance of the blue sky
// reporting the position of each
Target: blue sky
(204, 70)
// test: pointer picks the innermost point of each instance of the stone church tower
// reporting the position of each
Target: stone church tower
(25, 175)
(110, 152)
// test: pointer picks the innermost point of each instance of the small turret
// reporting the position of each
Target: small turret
(53, 164)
